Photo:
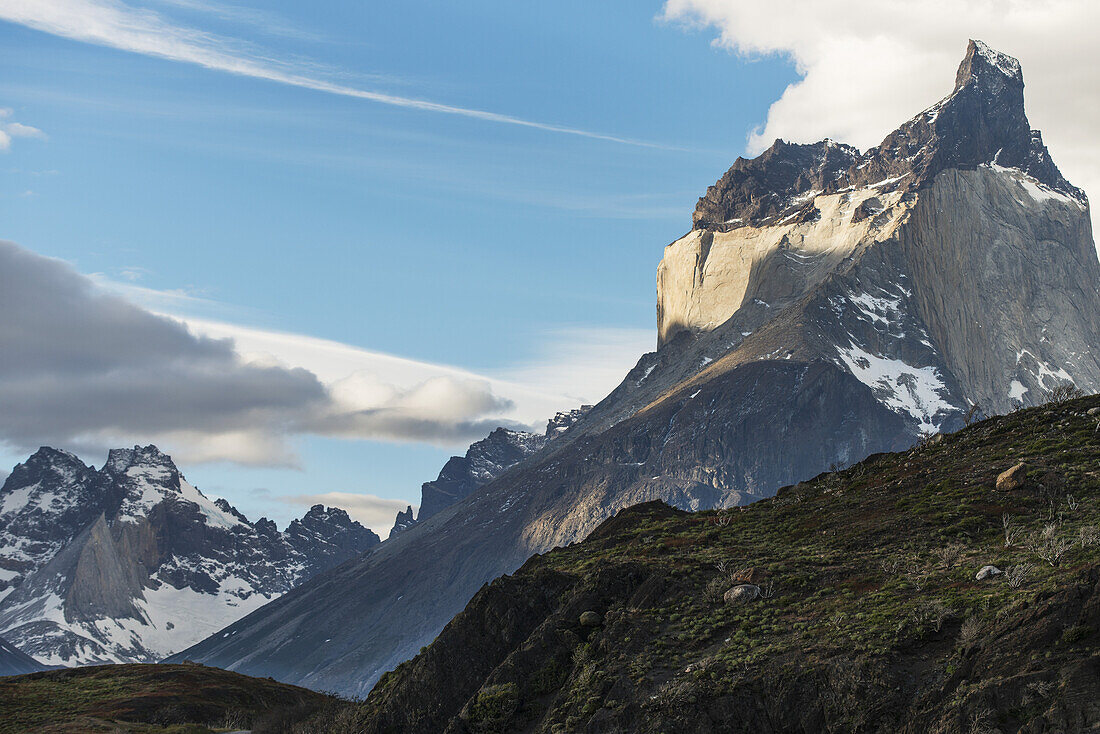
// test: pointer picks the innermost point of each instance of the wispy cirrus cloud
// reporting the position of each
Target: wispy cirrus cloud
(138, 30)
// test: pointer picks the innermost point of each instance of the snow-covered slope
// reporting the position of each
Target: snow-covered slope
(132, 563)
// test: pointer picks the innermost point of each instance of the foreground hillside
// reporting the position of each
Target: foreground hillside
(870, 616)
(180, 699)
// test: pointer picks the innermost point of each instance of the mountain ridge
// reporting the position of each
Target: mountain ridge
(131, 562)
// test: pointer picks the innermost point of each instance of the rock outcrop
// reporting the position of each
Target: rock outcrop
(404, 521)
(924, 267)
(827, 305)
(484, 461)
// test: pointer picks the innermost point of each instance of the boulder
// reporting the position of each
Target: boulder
(590, 619)
(741, 593)
(1013, 478)
(1093, 411)
(987, 572)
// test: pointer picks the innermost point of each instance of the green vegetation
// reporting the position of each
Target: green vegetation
(143, 699)
(867, 579)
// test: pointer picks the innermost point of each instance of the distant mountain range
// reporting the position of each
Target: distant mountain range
(826, 304)
(485, 460)
(131, 563)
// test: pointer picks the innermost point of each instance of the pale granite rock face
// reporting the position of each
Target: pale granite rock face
(968, 261)
(706, 276)
(956, 264)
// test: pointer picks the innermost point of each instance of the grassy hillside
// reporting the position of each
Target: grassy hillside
(166, 699)
(870, 616)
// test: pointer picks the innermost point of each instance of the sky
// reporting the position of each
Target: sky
(312, 250)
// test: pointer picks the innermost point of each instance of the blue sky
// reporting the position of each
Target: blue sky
(431, 236)
(332, 186)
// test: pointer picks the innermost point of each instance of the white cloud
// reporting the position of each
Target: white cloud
(114, 24)
(581, 363)
(85, 368)
(868, 65)
(367, 379)
(385, 396)
(9, 130)
(377, 513)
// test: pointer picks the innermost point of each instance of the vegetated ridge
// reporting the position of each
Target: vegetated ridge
(157, 699)
(857, 601)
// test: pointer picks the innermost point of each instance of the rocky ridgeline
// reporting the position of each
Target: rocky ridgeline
(485, 460)
(981, 122)
(14, 661)
(131, 563)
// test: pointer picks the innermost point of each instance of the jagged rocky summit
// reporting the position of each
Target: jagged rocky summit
(951, 265)
(826, 305)
(485, 460)
(131, 563)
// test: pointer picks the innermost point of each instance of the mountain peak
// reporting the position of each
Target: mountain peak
(404, 521)
(49, 456)
(983, 63)
(119, 460)
(982, 122)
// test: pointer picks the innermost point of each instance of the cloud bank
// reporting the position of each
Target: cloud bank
(868, 65)
(116, 25)
(86, 369)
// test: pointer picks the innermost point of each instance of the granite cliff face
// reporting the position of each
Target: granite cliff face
(132, 563)
(827, 305)
(924, 266)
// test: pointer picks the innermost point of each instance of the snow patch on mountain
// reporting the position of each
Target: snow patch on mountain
(1043, 370)
(914, 391)
(1034, 188)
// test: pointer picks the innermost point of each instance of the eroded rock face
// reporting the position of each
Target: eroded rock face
(484, 461)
